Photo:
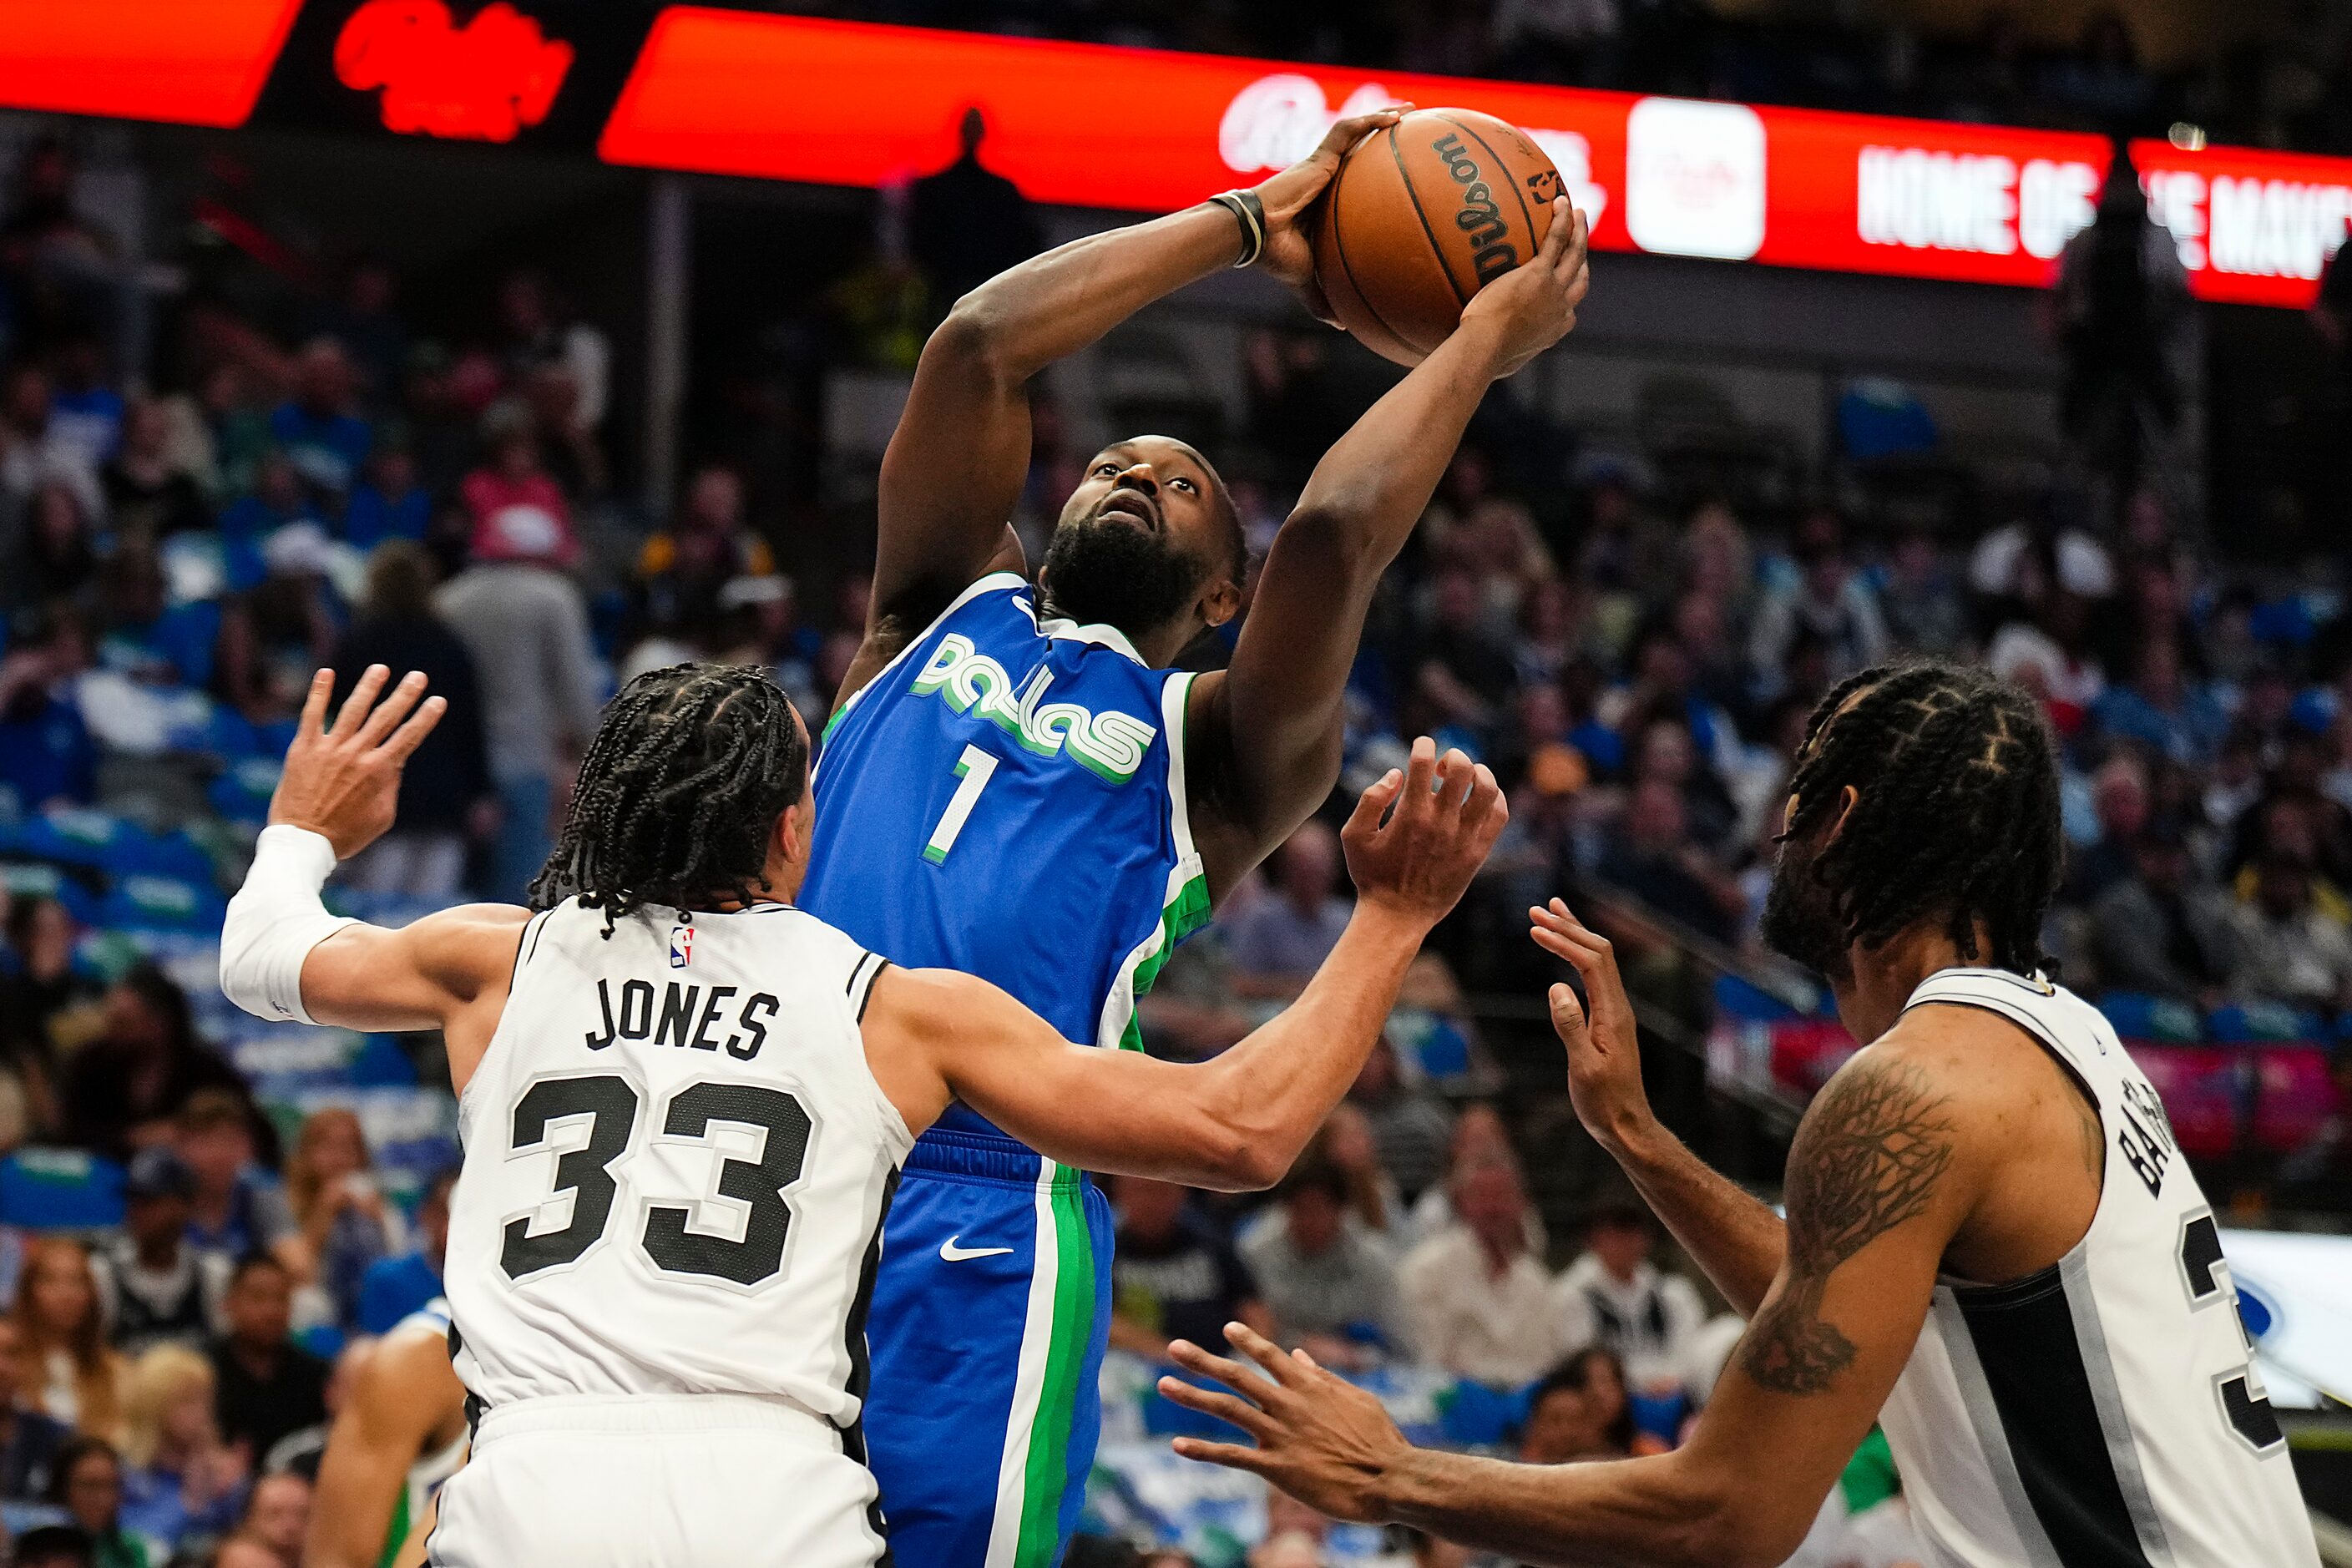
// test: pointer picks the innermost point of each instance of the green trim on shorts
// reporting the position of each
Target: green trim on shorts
(1045, 1474)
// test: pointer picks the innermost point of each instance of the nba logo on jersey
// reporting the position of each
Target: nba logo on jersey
(681, 946)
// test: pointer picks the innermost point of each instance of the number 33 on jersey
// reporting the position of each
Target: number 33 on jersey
(666, 1119)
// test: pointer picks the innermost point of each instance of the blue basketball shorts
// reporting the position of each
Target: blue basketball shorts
(991, 1311)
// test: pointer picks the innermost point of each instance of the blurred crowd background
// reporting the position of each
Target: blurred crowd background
(261, 449)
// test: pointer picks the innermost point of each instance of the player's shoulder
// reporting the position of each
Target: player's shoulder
(468, 945)
(1964, 1076)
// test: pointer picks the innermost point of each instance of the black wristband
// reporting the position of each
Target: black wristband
(1250, 213)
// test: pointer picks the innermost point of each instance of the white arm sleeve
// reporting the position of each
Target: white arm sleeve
(274, 920)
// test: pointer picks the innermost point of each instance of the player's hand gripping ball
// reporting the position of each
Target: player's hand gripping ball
(1424, 213)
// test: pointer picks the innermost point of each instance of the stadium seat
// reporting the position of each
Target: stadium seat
(59, 1189)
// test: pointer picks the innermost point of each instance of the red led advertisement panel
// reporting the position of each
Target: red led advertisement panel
(753, 94)
(193, 62)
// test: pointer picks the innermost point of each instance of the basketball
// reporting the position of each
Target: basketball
(1420, 216)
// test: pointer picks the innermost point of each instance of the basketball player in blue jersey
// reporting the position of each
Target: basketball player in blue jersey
(1015, 783)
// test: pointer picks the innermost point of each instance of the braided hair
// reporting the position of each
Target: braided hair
(678, 794)
(1957, 810)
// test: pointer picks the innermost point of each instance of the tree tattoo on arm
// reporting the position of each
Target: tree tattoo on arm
(1866, 1159)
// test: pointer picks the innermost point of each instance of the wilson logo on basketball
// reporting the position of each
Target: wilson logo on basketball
(1480, 217)
(481, 82)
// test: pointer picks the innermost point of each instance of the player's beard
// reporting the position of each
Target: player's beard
(1800, 920)
(1110, 574)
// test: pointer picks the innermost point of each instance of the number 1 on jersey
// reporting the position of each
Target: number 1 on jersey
(974, 768)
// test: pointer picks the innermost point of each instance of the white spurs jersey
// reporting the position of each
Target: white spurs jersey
(677, 1164)
(2103, 1413)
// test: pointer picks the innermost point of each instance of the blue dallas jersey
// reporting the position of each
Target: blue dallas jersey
(1007, 798)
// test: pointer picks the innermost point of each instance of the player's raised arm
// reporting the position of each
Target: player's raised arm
(1733, 1237)
(283, 956)
(1270, 745)
(1239, 1121)
(955, 463)
(1886, 1165)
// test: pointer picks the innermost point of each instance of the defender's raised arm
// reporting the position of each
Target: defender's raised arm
(1239, 1121)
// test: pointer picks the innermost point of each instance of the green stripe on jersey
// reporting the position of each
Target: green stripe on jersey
(1187, 913)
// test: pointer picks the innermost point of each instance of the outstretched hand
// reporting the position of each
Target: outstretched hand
(1604, 1055)
(344, 784)
(1288, 198)
(1323, 1440)
(1418, 837)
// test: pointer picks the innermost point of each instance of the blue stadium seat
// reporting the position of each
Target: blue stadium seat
(59, 1189)
(2137, 1015)
(2240, 1024)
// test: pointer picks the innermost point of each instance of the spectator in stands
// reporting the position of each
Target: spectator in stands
(1277, 943)
(125, 1086)
(343, 1227)
(179, 1481)
(30, 1440)
(1824, 597)
(141, 633)
(389, 501)
(268, 1385)
(2119, 801)
(364, 317)
(33, 453)
(1175, 1276)
(544, 332)
(683, 568)
(1374, 1204)
(244, 1550)
(85, 410)
(2121, 307)
(2288, 950)
(1650, 854)
(1477, 1298)
(1479, 1139)
(147, 491)
(79, 1380)
(55, 558)
(1921, 599)
(1461, 670)
(37, 983)
(154, 1286)
(1614, 1297)
(966, 223)
(1329, 1287)
(277, 1516)
(46, 754)
(236, 1209)
(87, 1485)
(275, 500)
(1410, 1125)
(1580, 1412)
(276, 633)
(2159, 710)
(512, 499)
(319, 429)
(2159, 929)
(526, 626)
(394, 1287)
(448, 799)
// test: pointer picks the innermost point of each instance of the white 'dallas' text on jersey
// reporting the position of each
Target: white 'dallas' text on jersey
(677, 1164)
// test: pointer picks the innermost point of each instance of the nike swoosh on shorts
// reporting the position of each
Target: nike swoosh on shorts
(950, 1253)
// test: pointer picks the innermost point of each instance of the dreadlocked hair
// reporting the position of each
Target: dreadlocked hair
(1956, 816)
(678, 794)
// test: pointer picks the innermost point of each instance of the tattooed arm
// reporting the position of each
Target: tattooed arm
(1884, 1171)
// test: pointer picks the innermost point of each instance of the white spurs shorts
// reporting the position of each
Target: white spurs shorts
(728, 1480)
